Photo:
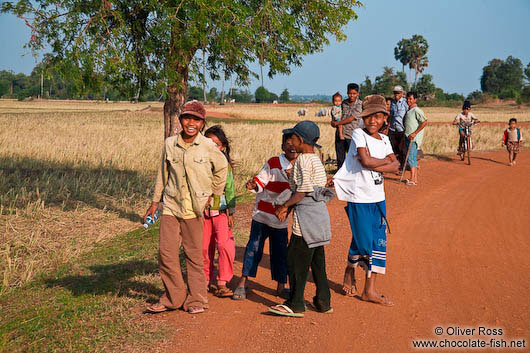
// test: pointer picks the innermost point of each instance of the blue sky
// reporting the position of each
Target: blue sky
(463, 36)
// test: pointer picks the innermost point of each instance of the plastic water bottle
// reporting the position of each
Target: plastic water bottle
(149, 221)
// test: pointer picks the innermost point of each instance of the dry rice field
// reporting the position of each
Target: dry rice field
(73, 174)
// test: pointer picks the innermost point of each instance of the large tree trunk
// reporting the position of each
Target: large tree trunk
(173, 107)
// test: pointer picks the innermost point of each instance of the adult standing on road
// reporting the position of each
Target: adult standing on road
(352, 108)
(398, 109)
(192, 170)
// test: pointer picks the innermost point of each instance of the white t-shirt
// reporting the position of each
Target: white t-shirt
(353, 182)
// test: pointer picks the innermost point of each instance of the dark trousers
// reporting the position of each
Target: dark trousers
(277, 249)
(397, 140)
(299, 259)
(341, 148)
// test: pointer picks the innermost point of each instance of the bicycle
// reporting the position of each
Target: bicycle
(467, 144)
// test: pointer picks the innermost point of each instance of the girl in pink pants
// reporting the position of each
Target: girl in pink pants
(218, 223)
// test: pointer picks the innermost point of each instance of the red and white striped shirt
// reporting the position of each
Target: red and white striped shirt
(271, 180)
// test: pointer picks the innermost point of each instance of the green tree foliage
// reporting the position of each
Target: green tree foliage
(384, 83)
(284, 96)
(425, 86)
(366, 87)
(402, 52)
(242, 96)
(262, 95)
(503, 78)
(145, 39)
(413, 52)
(195, 93)
(418, 48)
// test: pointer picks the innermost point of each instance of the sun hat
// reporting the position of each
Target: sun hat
(398, 88)
(194, 108)
(374, 104)
(307, 131)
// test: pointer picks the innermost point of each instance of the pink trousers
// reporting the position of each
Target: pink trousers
(217, 232)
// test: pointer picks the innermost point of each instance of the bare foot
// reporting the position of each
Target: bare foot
(377, 299)
(349, 287)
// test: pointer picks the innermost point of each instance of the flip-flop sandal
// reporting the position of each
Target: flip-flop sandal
(224, 292)
(384, 301)
(411, 183)
(284, 310)
(240, 293)
(348, 291)
(157, 308)
(212, 288)
(195, 310)
(313, 307)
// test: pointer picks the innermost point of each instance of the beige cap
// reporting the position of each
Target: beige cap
(374, 104)
(398, 88)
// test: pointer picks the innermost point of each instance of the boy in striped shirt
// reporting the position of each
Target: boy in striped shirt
(311, 224)
(272, 180)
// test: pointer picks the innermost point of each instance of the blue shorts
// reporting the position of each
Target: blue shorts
(413, 154)
(368, 227)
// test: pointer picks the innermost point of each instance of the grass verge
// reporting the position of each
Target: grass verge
(90, 305)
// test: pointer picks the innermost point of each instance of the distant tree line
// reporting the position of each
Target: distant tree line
(502, 79)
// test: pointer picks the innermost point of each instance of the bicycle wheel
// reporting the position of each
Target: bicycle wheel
(468, 150)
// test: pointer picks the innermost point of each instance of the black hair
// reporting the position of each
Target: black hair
(352, 86)
(412, 93)
(218, 132)
(466, 105)
(337, 94)
(512, 119)
(388, 99)
(285, 137)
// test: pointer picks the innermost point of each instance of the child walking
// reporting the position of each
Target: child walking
(512, 140)
(191, 171)
(336, 112)
(271, 181)
(218, 223)
(311, 225)
(360, 183)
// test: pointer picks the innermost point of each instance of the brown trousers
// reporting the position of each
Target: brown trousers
(173, 233)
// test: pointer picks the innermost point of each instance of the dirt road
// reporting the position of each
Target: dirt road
(458, 255)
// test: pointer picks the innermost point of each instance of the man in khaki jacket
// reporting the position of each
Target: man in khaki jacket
(192, 169)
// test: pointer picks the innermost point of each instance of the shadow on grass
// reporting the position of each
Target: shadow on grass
(26, 180)
(114, 280)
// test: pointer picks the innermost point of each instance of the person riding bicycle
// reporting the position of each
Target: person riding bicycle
(463, 120)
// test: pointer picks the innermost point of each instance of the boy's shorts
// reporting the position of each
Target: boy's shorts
(413, 154)
(368, 226)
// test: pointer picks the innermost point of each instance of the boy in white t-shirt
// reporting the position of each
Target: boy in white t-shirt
(360, 182)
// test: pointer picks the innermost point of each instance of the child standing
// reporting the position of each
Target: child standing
(415, 122)
(360, 182)
(512, 140)
(336, 112)
(269, 183)
(311, 225)
(191, 171)
(218, 223)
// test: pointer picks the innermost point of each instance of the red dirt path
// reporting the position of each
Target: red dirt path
(458, 255)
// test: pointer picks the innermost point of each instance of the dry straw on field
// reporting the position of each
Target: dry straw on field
(70, 178)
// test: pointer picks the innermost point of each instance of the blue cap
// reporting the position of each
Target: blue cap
(307, 131)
